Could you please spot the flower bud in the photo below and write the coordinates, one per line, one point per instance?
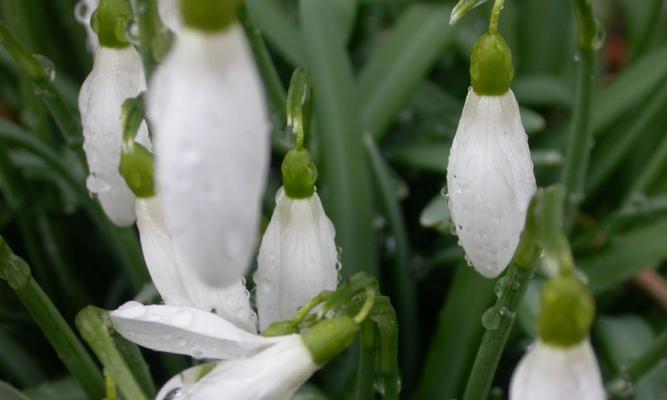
(491, 70)
(136, 166)
(299, 174)
(566, 312)
(330, 337)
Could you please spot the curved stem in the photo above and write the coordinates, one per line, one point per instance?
(312, 303)
(368, 305)
(495, 15)
(580, 136)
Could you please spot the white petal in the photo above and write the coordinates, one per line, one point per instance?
(170, 13)
(185, 330)
(117, 74)
(83, 11)
(274, 374)
(556, 373)
(177, 283)
(181, 383)
(297, 259)
(490, 180)
(212, 143)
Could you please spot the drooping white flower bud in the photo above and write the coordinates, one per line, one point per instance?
(117, 75)
(297, 258)
(176, 282)
(551, 372)
(170, 14)
(212, 150)
(274, 374)
(490, 180)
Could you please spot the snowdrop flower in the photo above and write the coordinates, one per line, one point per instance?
(83, 11)
(561, 364)
(117, 75)
(297, 258)
(174, 279)
(490, 178)
(276, 373)
(207, 106)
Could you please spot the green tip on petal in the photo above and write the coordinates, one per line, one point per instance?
(281, 328)
(299, 174)
(110, 21)
(566, 312)
(209, 15)
(330, 337)
(491, 70)
(136, 166)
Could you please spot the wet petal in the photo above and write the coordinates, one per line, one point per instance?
(186, 330)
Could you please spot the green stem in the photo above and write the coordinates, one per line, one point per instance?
(366, 365)
(499, 319)
(581, 133)
(368, 305)
(145, 12)
(495, 15)
(312, 303)
(70, 350)
(94, 324)
(648, 359)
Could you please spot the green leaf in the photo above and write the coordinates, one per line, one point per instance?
(622, 340)
(347, 185)
(65, 389)
(401, 62)
(7, 392)
(624, 256)
(542, 90)
(280, 31)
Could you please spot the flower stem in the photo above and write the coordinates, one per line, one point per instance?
(312, 303)
(648, 359)
(146, 17)
(366, 365)
(368, 305)
(17, 273)
(580, 136)
(499, 319)
(94, 324)
(495, 15)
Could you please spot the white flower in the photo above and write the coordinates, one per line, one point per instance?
(549, 372)
(490, 180)
(83, 11)
(274, 374)
(117, 75)
(297, 258)
(170, 14)
(212, 147)
(175, 281)
(186, 330)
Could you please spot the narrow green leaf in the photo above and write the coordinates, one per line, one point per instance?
(456, 337)
(396, 68)
(7, 392)
(542, 90)
(16, 272)
(280, 31)
(624, 256)
(347, 189)
(65, 389)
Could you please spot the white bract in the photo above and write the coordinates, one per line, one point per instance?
(170, 14)
(274, 374)
(490, 180)
(117, 75)
(212, 150)
(297, 258)
(174, 279)
(549, 372)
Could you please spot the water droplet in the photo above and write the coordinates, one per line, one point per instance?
(182, 318)
(443, 192)
(577, 57)
(48, 66)
(174, 394)
(96, 184)
(379, 222)
(181, 342)
(490, 319)
(621, 388)
(500, 287)
(600, 35)
(197, 353)
(132, 31)
(467, 259)
(82, 12)
(390, 244)
(506, 313)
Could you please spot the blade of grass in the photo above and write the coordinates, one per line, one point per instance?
(396, 68)
(580, 136)
(656, 168)
(94, 324)
(366, 368)
(70, 350)
(456, 337)
(346, 179)
(282, 33)
(404, 283)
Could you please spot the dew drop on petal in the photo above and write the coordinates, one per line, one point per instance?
(174, 394)
(81, 12)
